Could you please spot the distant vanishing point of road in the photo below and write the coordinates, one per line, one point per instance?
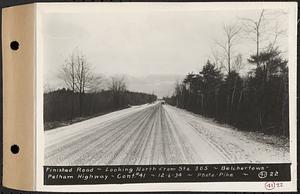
(154, 134)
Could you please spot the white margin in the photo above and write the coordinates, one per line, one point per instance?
(199, 186)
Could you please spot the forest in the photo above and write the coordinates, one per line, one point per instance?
(255, 100)
(62, 106)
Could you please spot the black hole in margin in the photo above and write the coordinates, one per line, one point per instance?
(14, 149)
(14, 45)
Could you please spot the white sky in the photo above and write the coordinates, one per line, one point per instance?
(164, 42)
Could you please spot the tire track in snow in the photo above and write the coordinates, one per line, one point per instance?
(112, 145)
(67, 151)
(139, 135)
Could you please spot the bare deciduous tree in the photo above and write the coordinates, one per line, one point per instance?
(253, 28)
(231, 34)
(78, 77)
(67, 73)
(263, 28)
(117, 86)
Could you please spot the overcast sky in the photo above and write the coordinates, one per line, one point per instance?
(160, 45)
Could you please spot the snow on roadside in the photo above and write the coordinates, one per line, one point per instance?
(88, 124)
(203, 150)
(239, 146)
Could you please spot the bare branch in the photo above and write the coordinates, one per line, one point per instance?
(262, 30)
(231, 33)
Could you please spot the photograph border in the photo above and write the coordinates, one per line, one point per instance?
(290, 186)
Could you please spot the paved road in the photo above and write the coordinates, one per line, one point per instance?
(153, 134)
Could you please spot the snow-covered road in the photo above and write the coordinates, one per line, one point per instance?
(155, 134)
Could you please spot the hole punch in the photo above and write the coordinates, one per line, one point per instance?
(14, 45)
(14, 149)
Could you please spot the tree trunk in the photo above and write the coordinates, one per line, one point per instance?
(81, 103)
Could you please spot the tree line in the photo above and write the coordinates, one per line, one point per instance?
(255, 101)
(59, 104)
(84, 95)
